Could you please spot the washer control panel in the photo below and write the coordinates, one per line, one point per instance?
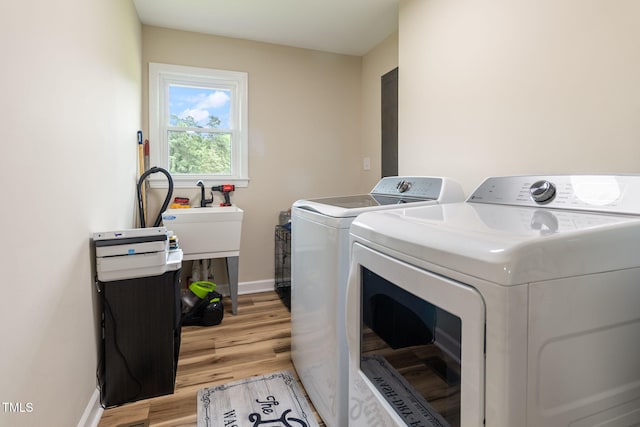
(599, 193)
(421, 187)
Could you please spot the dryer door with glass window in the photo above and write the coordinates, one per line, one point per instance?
(416, 345)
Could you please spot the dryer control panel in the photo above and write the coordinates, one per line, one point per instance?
(618, 194)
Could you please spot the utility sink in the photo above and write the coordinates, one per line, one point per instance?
(209, 232)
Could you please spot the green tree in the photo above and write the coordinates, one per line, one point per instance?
(196, 151)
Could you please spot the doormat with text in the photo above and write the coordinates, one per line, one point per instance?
(268, 400)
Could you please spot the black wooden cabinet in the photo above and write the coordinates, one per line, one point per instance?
(141, 337)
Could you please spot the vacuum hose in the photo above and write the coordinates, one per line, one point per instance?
(167, 199)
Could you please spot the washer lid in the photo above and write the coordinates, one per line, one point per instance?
(388, 193)
(352, 206)
(508, 245)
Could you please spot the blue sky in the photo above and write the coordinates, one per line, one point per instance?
(200, 103)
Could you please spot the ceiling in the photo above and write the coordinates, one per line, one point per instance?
(351, 27)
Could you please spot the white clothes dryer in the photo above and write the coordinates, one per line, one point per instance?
(518, 307)
(320, 264)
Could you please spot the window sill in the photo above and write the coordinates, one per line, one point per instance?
(190, 182)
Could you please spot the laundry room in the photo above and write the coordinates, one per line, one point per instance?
(484, 89)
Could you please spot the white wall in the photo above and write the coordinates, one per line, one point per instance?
(70, 109)
(501, 87)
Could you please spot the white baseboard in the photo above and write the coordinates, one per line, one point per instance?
(256, 286)
(248, 287)
(93, 411)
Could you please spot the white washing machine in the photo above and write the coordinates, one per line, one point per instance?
(320, 264)
(519, 307)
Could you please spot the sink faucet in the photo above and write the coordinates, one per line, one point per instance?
(203, 202)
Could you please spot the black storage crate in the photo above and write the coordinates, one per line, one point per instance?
(283, 264)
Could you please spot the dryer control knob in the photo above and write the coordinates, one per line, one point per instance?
(542, 191)
(403, 186)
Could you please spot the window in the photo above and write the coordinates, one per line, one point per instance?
(198, 125)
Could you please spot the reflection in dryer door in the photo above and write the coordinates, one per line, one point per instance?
(410, 351)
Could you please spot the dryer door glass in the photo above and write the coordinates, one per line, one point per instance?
(410, 351)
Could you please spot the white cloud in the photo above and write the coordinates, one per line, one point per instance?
(198, 114)
(215, 100)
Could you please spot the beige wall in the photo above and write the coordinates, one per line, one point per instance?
(304, 128)
(501, 87)
(70, 109)
(379, 61)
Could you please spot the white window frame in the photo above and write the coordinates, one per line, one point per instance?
(160, 77)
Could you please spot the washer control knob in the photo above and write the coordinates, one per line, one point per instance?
(542, 191)
(403, 186)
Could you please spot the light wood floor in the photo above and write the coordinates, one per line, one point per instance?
(256, 341)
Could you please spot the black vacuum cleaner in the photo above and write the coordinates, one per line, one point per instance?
(202, 305)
